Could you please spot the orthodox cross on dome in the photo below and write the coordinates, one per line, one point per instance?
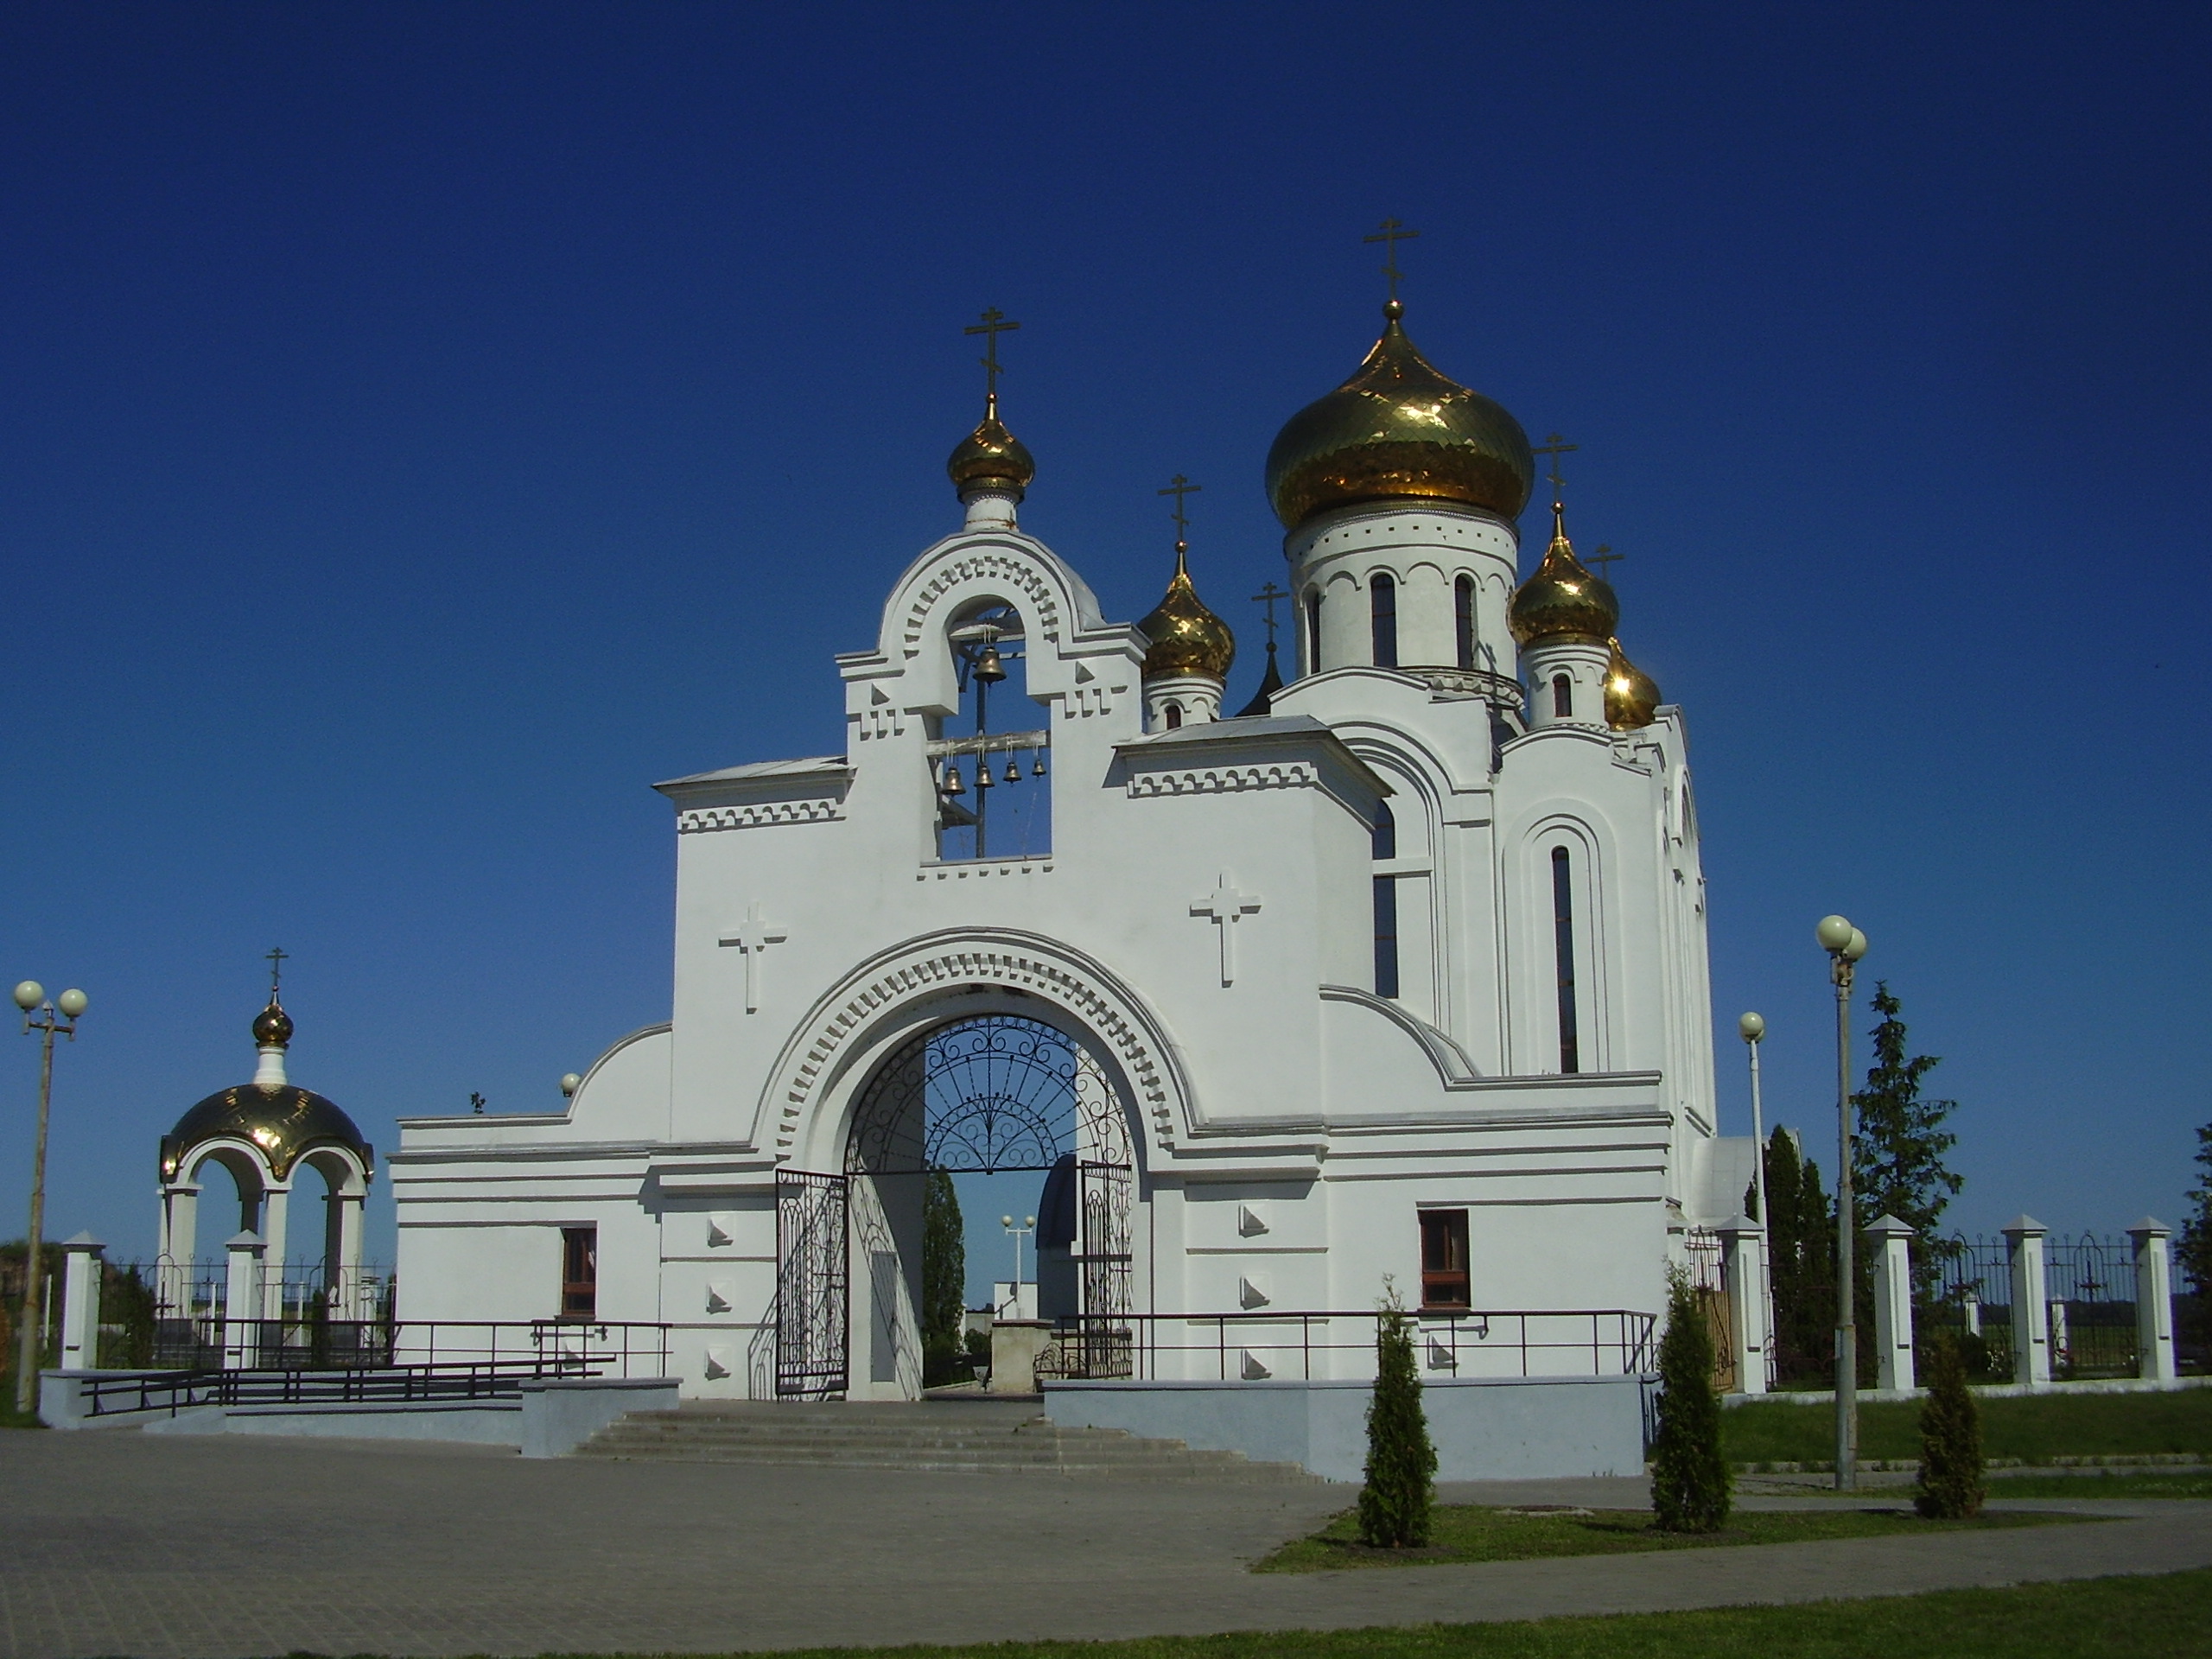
(1225, 906)
(275, 960)
(754, 936)
(1391, 233)
(1554, 446)
(1267, 596)
(994, 324)
(1604, 556)
(1181, 488)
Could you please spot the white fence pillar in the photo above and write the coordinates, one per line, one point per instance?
(81, 1303)
(1893, 1358)
(2030, 1314)
(242, 1303)
(2154, 1301)
(1743, 1268)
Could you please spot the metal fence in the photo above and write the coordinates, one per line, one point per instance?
(1258, 1346)
(2089, 1286)
(192, 1290)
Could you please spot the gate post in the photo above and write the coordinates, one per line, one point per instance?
(1893, 1358)
(1743, 1267)
(242, 1303)
(2154, 1301)
(80, 1304)
(2031, 1315)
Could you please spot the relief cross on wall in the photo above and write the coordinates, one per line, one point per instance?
(1225, 906)
(754, 936)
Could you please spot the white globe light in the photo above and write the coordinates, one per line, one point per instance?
(1857, 948)
(1751, 1027)
(1005, 1221)
(72, 1002)
(1834, 933)
(1029, 1221)
(570, 1082)
(29, 994)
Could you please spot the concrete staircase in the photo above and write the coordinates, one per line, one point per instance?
(972, 1434)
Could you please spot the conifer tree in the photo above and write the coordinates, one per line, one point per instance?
(1400, 1475)
(2193, 1249)
(1690, 1480)
(1800, 1245)
(1950, 1439)
(945, 1279)
(1897, 1158)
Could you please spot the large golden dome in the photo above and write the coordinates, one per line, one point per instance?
(285, 1121)
(1399, 430)
(1562, 600)
(991, 458)
(1185, 637)
(1631, 695)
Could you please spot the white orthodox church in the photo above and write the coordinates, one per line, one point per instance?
(1393, 983)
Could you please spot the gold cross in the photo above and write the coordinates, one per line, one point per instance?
(1554, 447)
(1267, 596)
(993, 325)
(1391, 234)
(1605, 555)
(276, 961)
(1181, 488)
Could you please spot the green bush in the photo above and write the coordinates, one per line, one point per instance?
(1689, 1478)
(1950, 1439)
(1401, 1474)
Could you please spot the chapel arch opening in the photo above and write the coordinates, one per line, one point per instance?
(987, 759)
(971, 1095)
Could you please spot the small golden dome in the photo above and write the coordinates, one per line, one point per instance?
(1399, 429)
(1185, 637)
(1562, 600)
(272, 1026)
(1631, 695)
(991, 458)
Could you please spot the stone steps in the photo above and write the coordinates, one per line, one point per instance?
(995, 1438)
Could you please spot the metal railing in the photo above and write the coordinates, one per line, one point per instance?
(425, 1360)
(1262, 1344)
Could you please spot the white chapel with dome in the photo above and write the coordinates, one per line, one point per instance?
(1393, 983)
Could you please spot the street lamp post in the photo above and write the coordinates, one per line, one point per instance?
(1028, 1226)
(1753, 1027)
(1844, 944)
(28, 996)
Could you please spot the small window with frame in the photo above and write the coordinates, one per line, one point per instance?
(579, 1273)
(1444, 1276)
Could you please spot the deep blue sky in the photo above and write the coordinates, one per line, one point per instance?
(422, 426)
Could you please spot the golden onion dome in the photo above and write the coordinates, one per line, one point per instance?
(1631, 695)
(1185, 637)
(272, 1026)
(1562, 600)
(1399, 430)
(991, 458)
(285, 1121)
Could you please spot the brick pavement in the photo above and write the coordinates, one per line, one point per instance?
(177, 1547)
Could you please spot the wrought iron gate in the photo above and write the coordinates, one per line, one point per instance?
(813, 1264)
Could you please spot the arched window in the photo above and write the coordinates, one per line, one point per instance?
(1312, 630)
(1386, 904)
(1463, 616)
(1570, 1048)
(1174, 716)
(1382, 618)
(1562, 697)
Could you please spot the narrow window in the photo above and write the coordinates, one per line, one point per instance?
(1444, 1280)
(1174, 716)
(1386, 905)
(1463, 608)
(1382, 615)
(579, 1273)
(1313, 630)
(1562, 697)
(1570, 1052)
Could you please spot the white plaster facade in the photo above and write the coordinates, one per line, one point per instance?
(1203, 927)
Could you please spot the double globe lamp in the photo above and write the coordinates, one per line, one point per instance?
(70, 1003)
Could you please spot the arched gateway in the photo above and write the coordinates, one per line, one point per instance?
(980, 1093)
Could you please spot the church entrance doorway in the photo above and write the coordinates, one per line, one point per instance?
(991, 1094)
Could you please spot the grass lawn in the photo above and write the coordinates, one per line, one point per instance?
(1465, 1533)
(2085, 1620)
(2036, 1427)
(2196, 1484)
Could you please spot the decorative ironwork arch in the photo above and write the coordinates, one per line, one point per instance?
(996, 1092)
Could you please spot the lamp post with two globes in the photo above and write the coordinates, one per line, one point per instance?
(1845, 945)
(1751, 1027)
(1028, 1226)
(28, 996)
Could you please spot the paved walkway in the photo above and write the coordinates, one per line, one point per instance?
(227, 1546)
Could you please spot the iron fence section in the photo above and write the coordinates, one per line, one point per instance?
(2088, 1286)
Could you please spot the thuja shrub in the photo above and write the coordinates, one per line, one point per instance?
(1950, 1439)
(1400, 1475)
(1689, 1478)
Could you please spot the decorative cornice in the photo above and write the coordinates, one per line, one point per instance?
(1225, 780)
(995, 959)
(752, 815)
(992, 565)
